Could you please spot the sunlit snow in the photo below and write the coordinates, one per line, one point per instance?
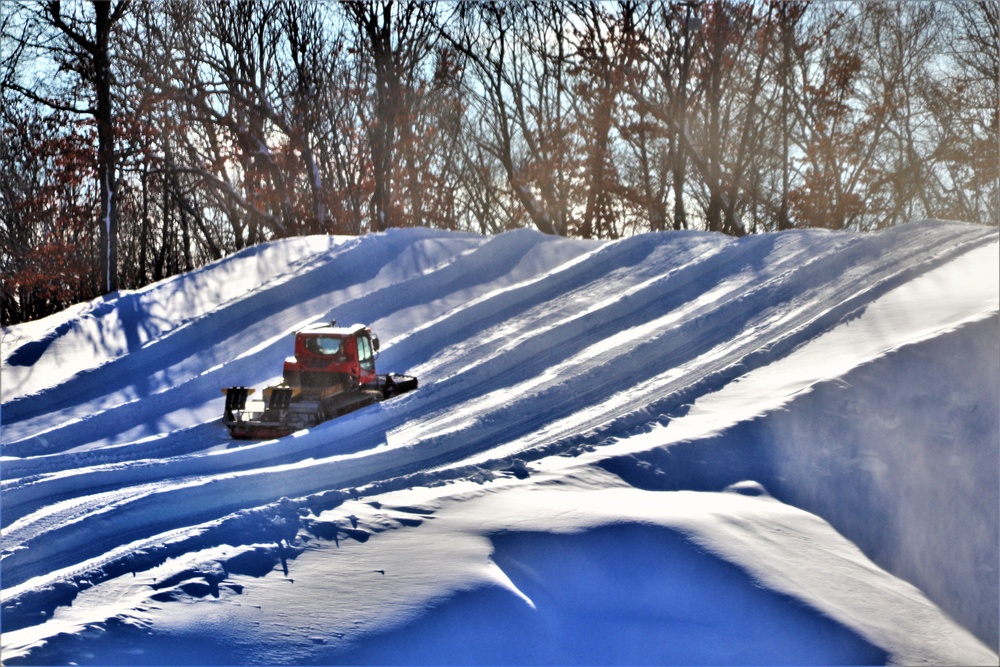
(675, 448)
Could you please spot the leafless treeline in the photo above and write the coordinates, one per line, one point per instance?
(142, 138)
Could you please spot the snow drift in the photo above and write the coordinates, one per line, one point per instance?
(674, 448)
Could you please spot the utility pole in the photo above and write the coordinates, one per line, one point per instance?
(786, 58)
(692, 23)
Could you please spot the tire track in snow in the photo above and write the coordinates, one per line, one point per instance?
(20, 498)
(539, 297)
(43, 354)
(162, 507)
(518, 382)
(274, 308)
(300, 479)
(507, 252)
(115, 380)
(11, 567)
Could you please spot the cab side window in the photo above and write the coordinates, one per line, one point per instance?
(366, 357)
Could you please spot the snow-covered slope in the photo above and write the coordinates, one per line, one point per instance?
(673, 448)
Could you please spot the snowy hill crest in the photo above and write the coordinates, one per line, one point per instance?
(581, 404)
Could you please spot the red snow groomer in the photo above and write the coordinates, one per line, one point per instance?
(331, 374)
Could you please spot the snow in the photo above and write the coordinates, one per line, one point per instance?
(675, 448)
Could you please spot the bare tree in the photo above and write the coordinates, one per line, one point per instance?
(396, 39)
(967, 115)
(85, 51)
(299, 116)
(517, 52)
(606, 49)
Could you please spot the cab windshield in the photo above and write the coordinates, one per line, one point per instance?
(323, 345)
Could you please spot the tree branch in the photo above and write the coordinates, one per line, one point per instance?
(52, 104)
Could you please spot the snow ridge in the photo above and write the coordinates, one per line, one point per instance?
(114, 461)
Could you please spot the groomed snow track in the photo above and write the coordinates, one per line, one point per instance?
(114, 458)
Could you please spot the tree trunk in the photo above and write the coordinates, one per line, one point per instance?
(97, 50)
(105, 148)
